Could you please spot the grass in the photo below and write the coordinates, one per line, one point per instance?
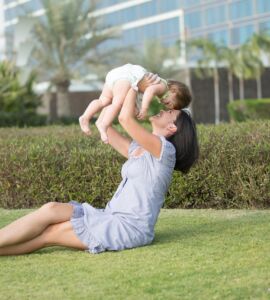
(197, 254)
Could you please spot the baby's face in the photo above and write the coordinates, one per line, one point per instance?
(169, 101)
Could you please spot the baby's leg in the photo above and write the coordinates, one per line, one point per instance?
(94, 107)
(101, 115)
(120, 91)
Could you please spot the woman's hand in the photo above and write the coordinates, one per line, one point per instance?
(148, 79)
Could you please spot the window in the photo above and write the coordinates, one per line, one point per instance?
(168, 27)
(215, 15)
(111, 19)
(147, 9)
(219, 37)
(8, 16)
(30, 7)
(164, 6)
(106, 3)
(241, 34)
(263, 6)
(127, 37)
(264, 26)
(33, 5)
(150, 31)
(130, 14)
(168, 42)
(241, 9)
(188, 3)
(193, 20)
(132, 36)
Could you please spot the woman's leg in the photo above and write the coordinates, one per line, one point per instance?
(33, 224)
(60, 234)
(120, 91)
(94, 107)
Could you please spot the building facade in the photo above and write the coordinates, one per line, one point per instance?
(2, 32)
(230, 22)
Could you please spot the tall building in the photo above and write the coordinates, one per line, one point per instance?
(2, 32)
(230, 22)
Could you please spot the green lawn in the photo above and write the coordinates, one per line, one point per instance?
(197, 254)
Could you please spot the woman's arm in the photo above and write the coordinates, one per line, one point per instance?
(118, 141)
(147, 140)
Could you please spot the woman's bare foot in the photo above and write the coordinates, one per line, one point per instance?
(102, 130)
(84, 124)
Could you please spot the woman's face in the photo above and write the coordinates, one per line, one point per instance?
(164, 118)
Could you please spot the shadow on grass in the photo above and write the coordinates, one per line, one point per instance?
(55, 249)
(214, 228)
(170, 233)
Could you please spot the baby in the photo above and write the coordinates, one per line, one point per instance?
(173, 94)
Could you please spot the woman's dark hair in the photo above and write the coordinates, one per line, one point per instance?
(185, 142)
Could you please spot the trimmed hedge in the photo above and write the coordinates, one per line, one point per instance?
(56, 163)
(22, 119)
(249, 109)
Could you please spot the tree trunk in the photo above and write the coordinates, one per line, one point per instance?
(63, 105)
(230, 83)
(241, 88)
(217, 96)
(259, 87)
(188, 83)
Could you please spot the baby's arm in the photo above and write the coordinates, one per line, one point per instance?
(153, 90)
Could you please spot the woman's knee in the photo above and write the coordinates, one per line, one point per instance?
(49, 206)
(53, 211)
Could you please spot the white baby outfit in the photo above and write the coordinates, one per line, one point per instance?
(129, 72)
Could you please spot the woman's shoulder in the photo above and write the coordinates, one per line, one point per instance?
(167, 149)
(167, 154)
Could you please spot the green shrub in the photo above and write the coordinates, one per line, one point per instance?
(56, 163)
(23, 119)
(18, 102)
(249, 109)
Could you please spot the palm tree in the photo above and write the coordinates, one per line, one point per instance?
(259, 45)
(66, 42)
(248, 66)
(230, 60)
(155, 57)
(210, 57)
(263, 42)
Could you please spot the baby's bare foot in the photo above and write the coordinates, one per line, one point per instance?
(84, 124)
(102, 130)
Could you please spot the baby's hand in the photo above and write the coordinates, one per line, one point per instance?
(142, 114)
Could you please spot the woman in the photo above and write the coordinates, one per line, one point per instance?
(129, 218)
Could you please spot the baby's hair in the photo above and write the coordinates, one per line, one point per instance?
(183, 94)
